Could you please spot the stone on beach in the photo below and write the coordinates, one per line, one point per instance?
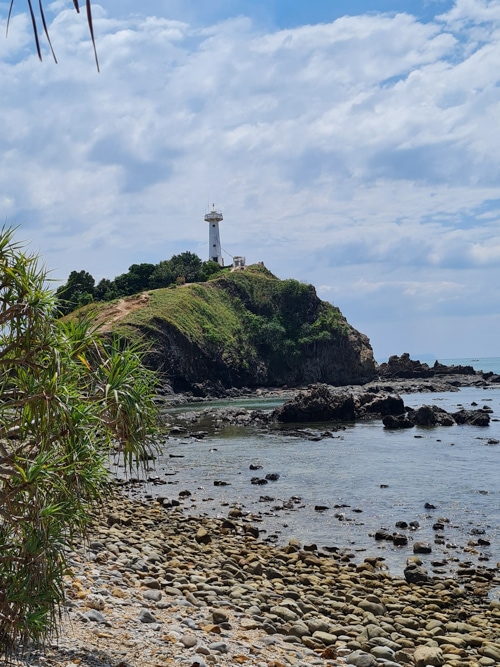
(235, 600)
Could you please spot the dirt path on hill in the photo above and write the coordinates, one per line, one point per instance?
(115, 312)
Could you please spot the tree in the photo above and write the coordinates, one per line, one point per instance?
(163, 275)
(135, 280)
(105, 290)
(78, 291)
(68, 398)
(208, 269)
(186, 265)
(36, 31)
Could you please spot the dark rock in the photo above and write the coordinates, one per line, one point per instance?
(219, 616)
(146, 616)
(422, 548)
(407, 368)
(399, 540)
(397, 422)
(472, 417)
(273, 476)
(203, 536)
(416, 574)
(252, 531)
(317, 404)
(404, 367)
(383, 405)
(383, 534)
(432, 415)
(258, 480)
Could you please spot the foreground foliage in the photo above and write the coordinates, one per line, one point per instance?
(66, 398)
(37, 32)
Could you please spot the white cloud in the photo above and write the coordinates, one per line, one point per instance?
(347, 154)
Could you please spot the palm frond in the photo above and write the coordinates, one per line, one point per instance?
(36, 34)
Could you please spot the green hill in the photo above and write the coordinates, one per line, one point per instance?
(242, 328)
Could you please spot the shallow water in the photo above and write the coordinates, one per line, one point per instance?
(375, 477)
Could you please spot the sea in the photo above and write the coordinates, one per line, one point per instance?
(363, 476)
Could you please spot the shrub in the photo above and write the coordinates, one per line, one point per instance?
(66, 398)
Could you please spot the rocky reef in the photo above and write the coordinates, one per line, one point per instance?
(322, 403)
(403, 367)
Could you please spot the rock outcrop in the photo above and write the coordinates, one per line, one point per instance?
(322, 403)
(432, 415)
(404, 367)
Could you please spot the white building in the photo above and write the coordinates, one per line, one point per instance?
(215, 252)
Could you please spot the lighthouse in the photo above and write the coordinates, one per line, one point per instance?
(215, 253)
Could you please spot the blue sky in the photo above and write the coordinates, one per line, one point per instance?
(358, 150)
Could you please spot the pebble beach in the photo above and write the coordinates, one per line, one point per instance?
(155, 587)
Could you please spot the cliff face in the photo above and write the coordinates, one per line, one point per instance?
(248, 328)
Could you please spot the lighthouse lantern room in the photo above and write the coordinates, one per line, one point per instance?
(215, 252)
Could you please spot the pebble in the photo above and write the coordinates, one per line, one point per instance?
(172, 589)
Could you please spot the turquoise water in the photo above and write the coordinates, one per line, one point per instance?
(478, 363)
(375, 477)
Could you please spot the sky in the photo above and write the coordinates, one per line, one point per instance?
(351, 145)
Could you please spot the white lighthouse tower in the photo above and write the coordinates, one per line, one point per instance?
(215, 253)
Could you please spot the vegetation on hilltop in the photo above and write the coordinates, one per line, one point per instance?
(80, 288)
(67, 397)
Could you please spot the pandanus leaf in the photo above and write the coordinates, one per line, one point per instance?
(45, 27)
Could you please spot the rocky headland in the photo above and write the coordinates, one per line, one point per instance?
(240, 329)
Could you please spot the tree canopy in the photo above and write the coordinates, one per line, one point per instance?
(78, 291)
(69, 399)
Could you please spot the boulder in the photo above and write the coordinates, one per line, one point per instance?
(404, 367)
(387, 404)
(432, 415)
(416, 574)
(397, 422)
(422, 548)
(472, 417)
(318, 404)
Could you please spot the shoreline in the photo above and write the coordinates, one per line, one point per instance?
(279, 507)
(154, 587)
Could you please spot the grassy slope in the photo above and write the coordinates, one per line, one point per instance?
(234, 312)
(203, 314)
